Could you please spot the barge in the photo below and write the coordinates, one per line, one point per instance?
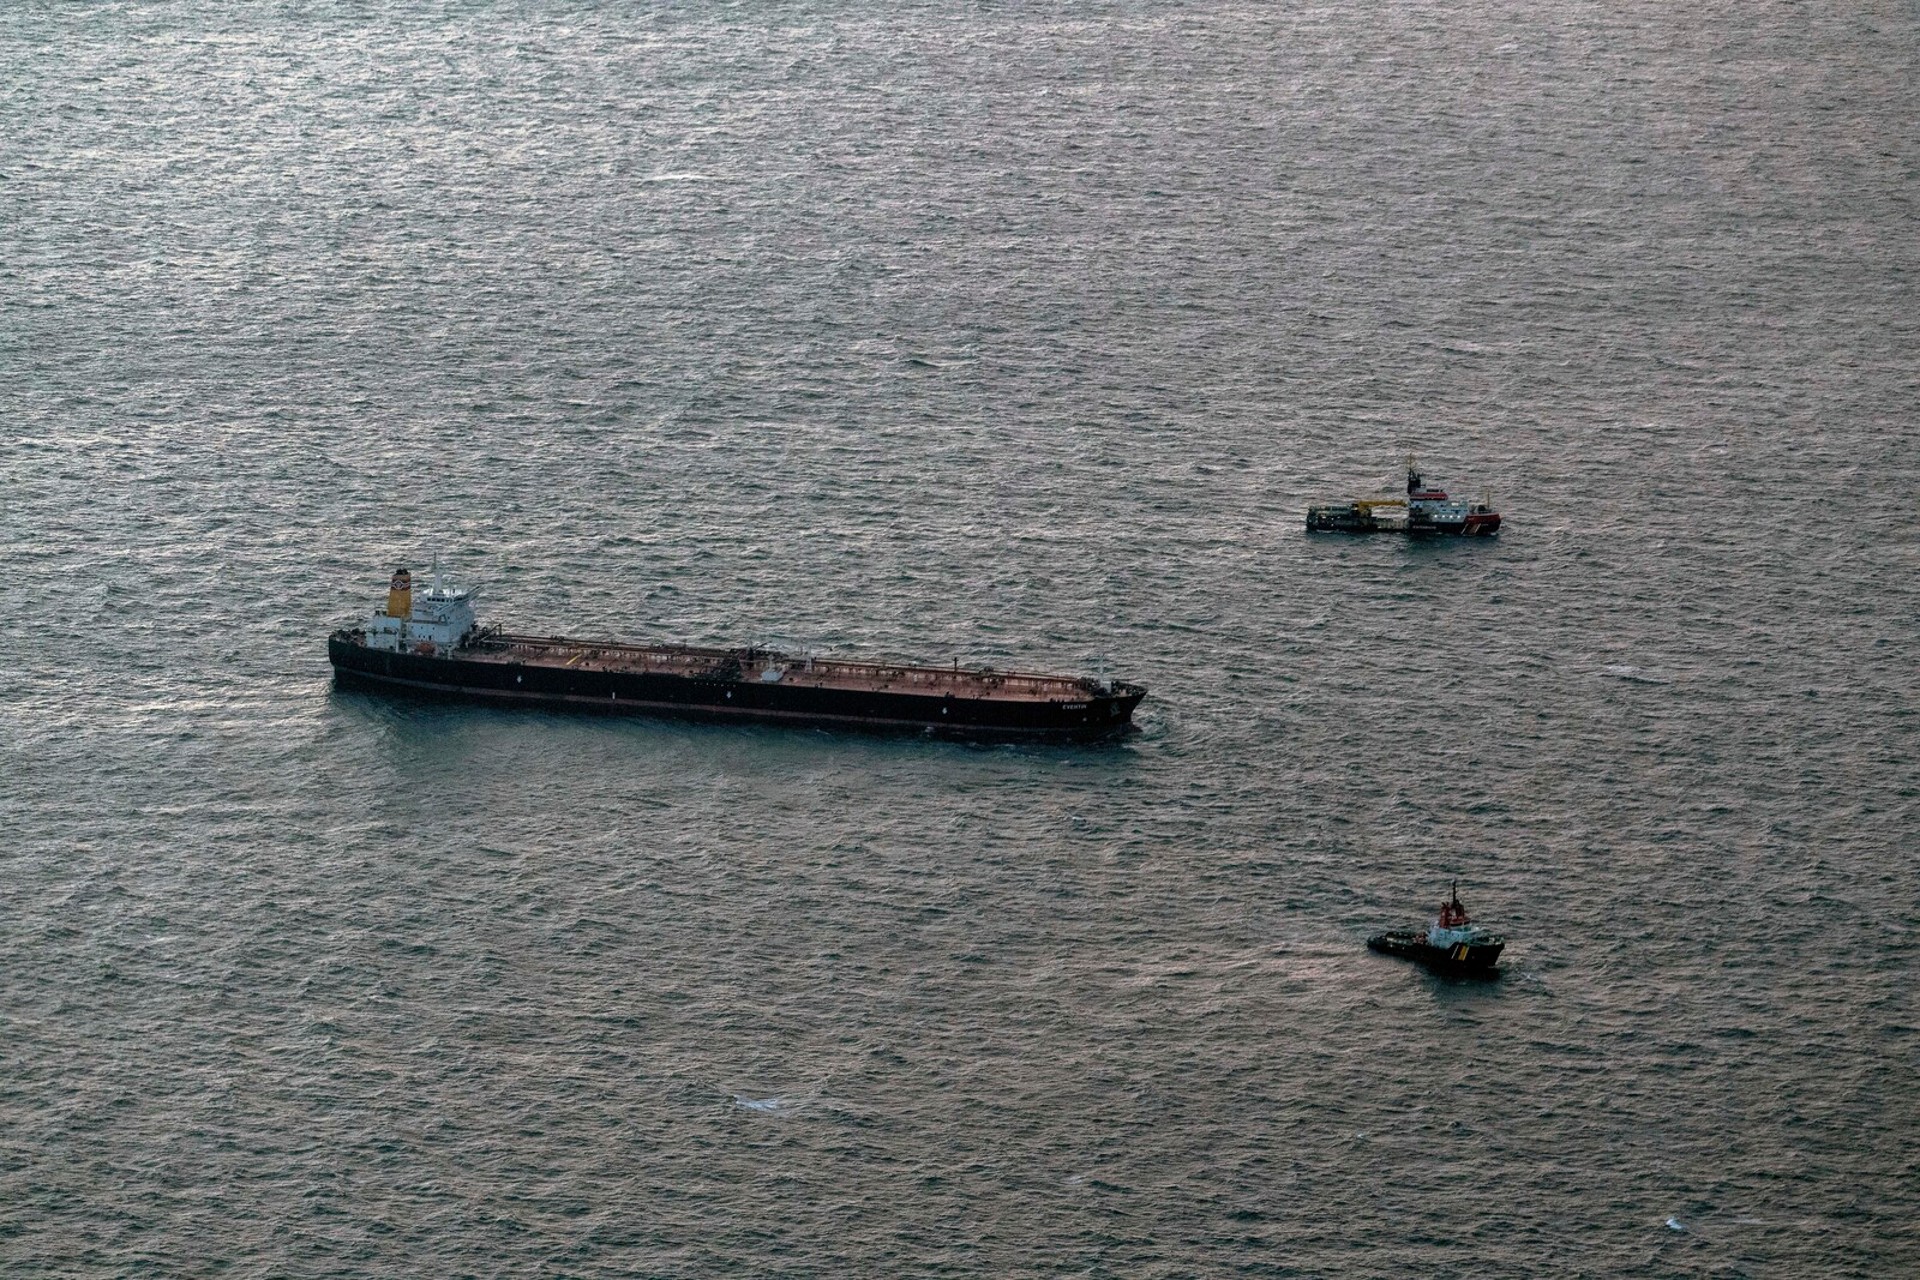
(1425, 510)
(430, 643)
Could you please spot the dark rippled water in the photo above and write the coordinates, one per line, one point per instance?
(1021, 334)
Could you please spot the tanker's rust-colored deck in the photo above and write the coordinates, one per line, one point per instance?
(751, 666)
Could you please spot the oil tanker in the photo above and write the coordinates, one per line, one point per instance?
(429, 643)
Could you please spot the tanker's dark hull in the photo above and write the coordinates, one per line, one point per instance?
(723, 699)
(1468, 959)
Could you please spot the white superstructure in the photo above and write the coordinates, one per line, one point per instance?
(1451, 927)
(432, 621)
(1428, 505)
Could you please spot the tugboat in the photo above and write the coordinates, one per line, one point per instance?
(1424, 511)
(431, 643)
(1451, 944)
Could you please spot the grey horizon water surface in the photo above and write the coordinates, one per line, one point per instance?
(1021, 334)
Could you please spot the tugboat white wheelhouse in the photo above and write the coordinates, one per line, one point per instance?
(430, 643)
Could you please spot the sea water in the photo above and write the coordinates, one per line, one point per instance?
(1012, 334)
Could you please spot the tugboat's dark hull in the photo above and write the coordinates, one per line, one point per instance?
(1469, 959)
(1091, 715)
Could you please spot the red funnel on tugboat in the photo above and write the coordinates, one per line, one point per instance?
(1451, 944)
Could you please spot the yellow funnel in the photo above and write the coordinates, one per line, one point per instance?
(400, 595)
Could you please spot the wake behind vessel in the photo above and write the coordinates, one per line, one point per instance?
(430, 642)
(1425, 510)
